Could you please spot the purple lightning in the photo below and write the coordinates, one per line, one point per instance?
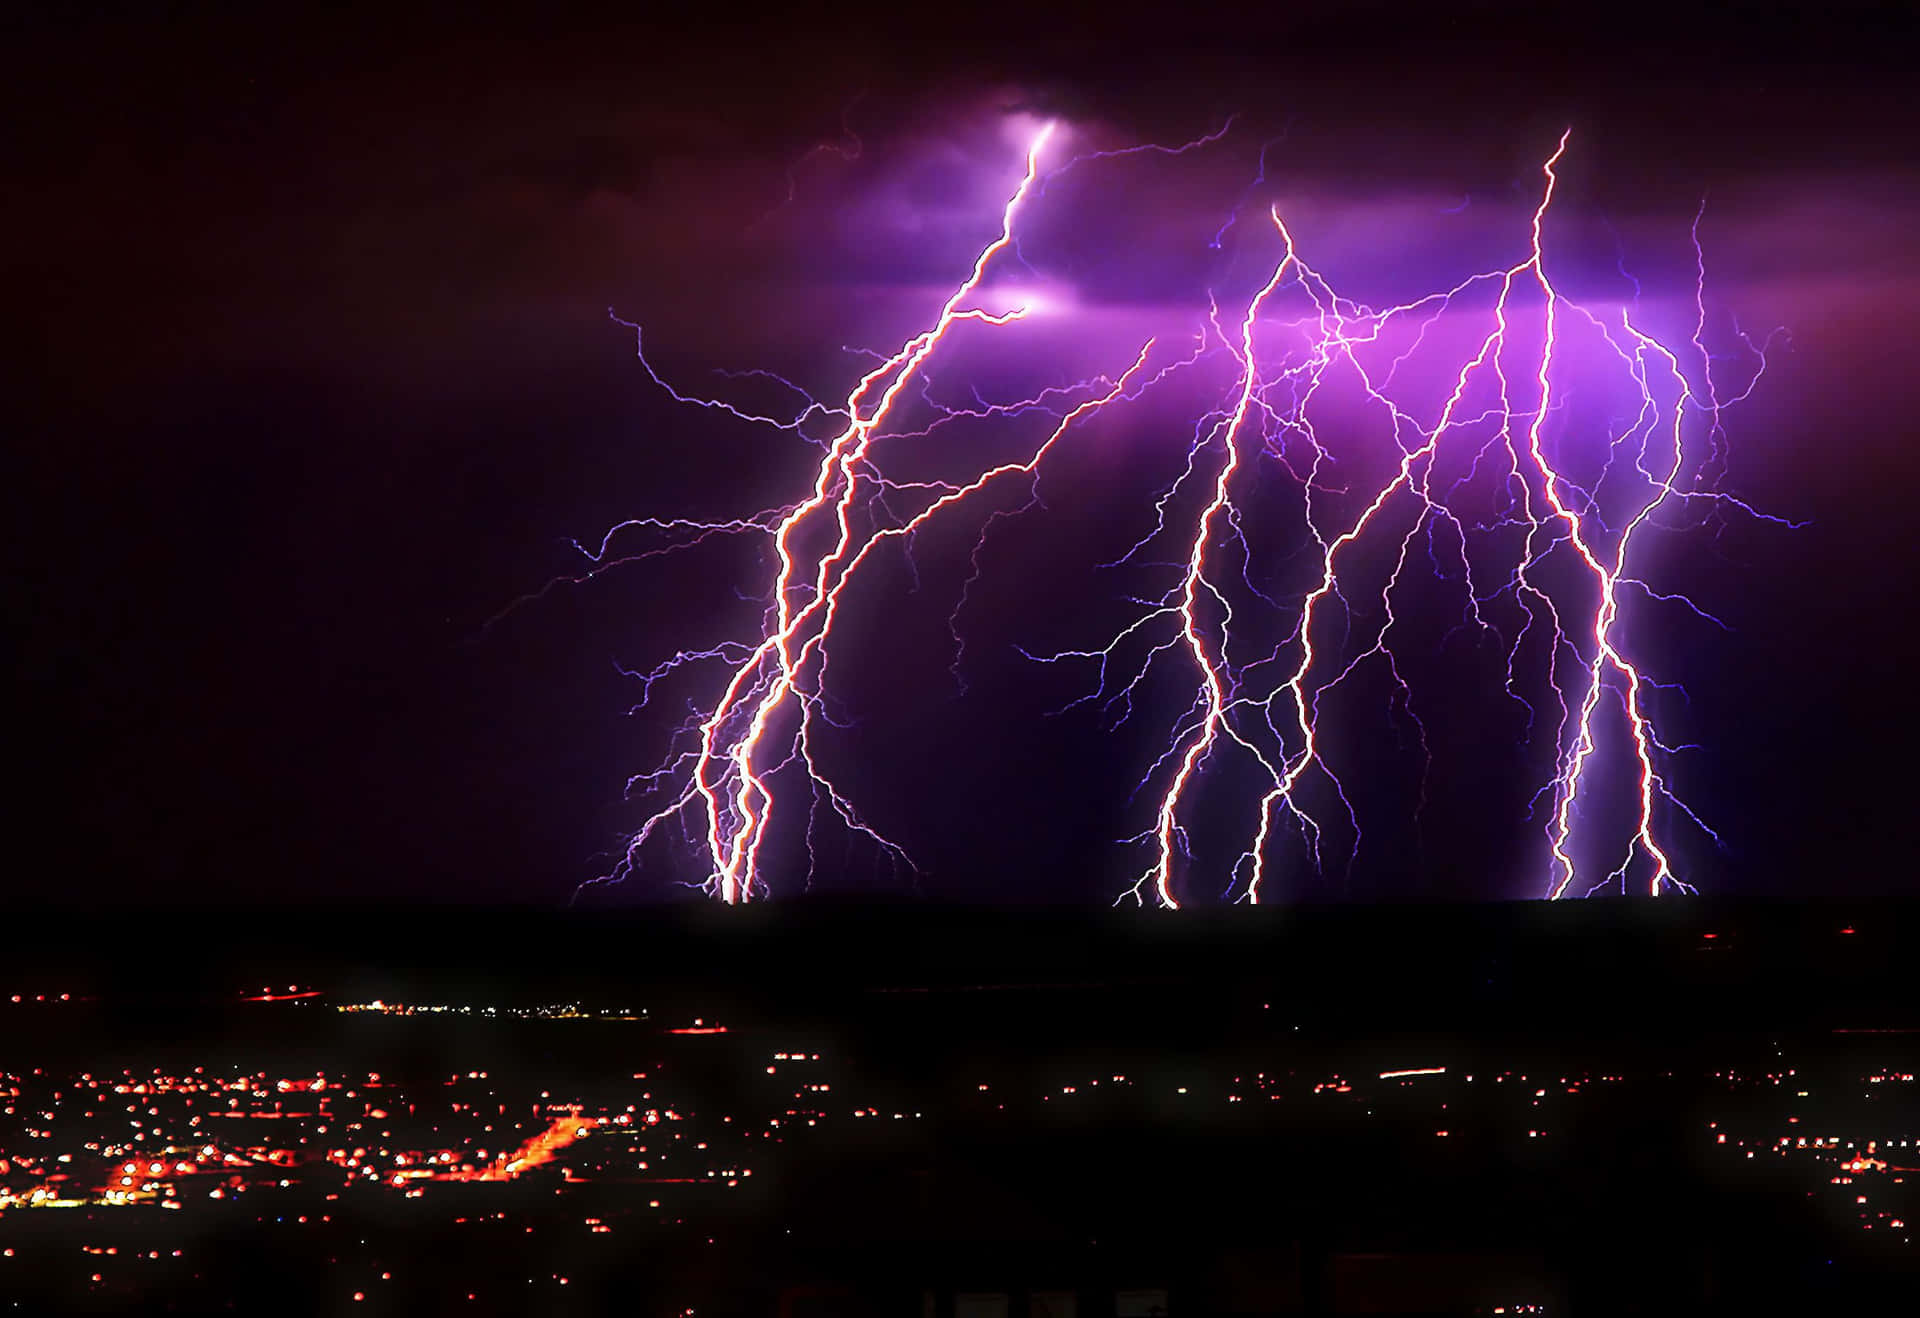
(1511, 349)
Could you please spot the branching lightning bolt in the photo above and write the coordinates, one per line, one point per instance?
(1571, 560)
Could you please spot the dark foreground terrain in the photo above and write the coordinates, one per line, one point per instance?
(1601, 1108)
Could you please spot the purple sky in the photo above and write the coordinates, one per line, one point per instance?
(320, 376)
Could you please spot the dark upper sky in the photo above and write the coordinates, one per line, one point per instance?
(314, 375)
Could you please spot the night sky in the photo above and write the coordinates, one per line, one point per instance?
(314, 376)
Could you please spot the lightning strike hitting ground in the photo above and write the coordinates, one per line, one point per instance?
(1539, 513)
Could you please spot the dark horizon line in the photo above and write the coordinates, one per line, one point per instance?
(890, 901)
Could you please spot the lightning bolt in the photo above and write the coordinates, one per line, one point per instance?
(1553, 568)
(1555, 516)
(741, 744)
